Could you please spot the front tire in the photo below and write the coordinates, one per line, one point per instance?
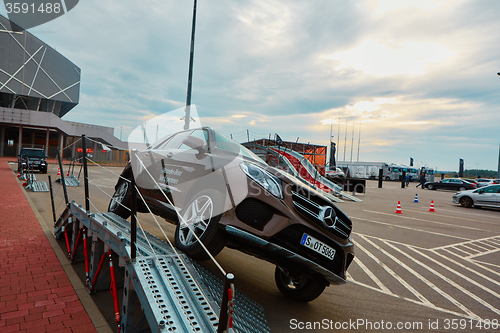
(120, 202)
(466, 202)
(197, 219)
(299, 287)
(430, 187)
(461, 189)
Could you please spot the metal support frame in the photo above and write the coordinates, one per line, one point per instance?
(175, 292)
(52, 200)
(85, 174)
(62, 178)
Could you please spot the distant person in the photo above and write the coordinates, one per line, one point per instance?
(422, 180)
(407, 180)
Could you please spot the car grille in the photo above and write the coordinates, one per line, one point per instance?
(313, 210)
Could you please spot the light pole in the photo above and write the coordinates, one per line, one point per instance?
(190, 73)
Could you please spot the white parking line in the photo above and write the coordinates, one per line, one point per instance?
(372, 276)
(482, 253)
(468, 268)
(435, 222)
(475, 215)
(432, 285)
(396, 276)
(465, 291)
(470, 248)
(409, 228)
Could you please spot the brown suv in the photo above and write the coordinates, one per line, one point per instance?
(219, 192)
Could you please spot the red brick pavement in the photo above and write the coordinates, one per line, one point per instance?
(35, 292)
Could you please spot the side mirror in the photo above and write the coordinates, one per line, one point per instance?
(195, 143)
(481, 192)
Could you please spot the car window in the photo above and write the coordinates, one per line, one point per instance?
(491, 189)
(446, 180)
(172, 142)
(202, 134)
(33, 153)
(225, 143)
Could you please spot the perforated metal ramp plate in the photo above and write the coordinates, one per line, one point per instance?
(39, 187)
(71, 181)
(249, 316)
(181, 294)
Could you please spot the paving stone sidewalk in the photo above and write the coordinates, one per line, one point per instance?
(35, 292)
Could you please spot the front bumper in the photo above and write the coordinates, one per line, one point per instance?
(287, 257)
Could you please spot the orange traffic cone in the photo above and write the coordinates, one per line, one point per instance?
(58, 171)
(398, 209)
(431, 209)
(67, 173)
(19, 174)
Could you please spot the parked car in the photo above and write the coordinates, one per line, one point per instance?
(219, 192)
(472, 181)
(32, 158)
(485, 182)
(488, 196)
(336, 174)
(450, 184)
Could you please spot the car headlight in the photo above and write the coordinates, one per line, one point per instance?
(269, 182)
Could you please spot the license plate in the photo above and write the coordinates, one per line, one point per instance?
(317, 246)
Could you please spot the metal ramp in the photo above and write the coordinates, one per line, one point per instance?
(69, 181)
(336, 194)
(27, 176)
(176, 293)
(38, 186)
(351, 197)
(31, 183)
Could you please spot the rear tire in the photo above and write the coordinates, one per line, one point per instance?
(430, 187)
(197, 220)
(461, 189)
(121, 200)
(466, 202)
(299, 287)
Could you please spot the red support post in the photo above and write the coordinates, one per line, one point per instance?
(67, 241)
(227, 305)
(113, 289)
(96, 276)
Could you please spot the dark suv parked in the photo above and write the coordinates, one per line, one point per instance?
(32, 158)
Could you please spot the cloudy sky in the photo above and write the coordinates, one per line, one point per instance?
(409, 78)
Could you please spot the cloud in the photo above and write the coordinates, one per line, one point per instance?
(411, 72)
(381, 59)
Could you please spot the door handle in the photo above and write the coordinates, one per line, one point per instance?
(170, 154)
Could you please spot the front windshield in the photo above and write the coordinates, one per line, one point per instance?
(225, 143)
(33, 153)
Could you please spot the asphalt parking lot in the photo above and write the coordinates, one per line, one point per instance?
(417, 271)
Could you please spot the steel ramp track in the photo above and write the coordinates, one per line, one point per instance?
(69, 181)
(343, 194)
(176, 293)
(26, 176)
(38, 187)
